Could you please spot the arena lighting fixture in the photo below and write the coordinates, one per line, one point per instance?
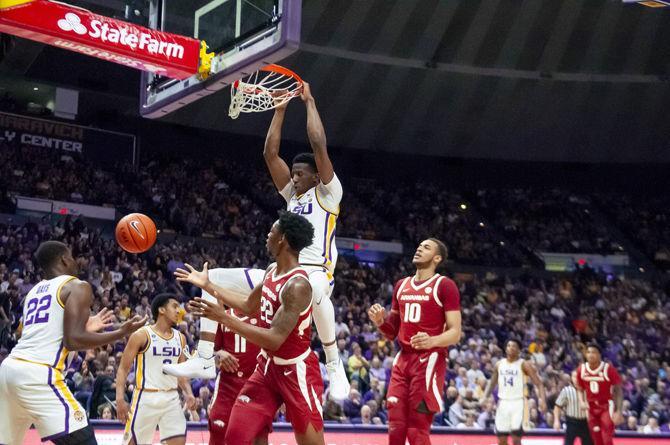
(481, 224)
(463, 206)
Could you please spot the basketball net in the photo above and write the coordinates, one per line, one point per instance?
(267, 88)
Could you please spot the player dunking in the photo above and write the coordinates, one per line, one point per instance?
(155, 399)
(512, 372)
(290, 374)
(312, 190)
(238, 359)
(55, 321)
(600, 381)
(426, 318)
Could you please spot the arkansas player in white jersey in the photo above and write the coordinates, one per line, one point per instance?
(311, 189)
(291, 374)
(426, 319)
(55, 321)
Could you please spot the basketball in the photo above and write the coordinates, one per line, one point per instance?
(136, 233)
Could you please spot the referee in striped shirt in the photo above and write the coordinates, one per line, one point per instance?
(575, 417)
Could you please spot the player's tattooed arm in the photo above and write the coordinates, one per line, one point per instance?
(531, 372)
(317, 137)
(279, 171)
(296, 298)
(492, 383)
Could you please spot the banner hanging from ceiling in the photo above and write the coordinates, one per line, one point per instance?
(94, 35)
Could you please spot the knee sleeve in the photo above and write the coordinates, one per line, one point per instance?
(84, 436)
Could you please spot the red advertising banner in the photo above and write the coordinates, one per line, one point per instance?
(79, 30)
(201, 437)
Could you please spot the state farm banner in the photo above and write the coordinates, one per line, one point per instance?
(79, 30)
(100, 146)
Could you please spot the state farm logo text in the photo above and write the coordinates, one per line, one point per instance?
(135, 39)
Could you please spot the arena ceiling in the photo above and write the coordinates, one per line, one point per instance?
(557, 80)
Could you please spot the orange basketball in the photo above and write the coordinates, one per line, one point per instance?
(136, 233)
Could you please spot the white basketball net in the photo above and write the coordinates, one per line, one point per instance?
(261, 91)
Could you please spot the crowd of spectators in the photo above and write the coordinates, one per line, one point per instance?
(646, 219)
(548, 220)
(228, 199)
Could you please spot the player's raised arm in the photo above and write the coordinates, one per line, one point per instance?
(281, 174)
(317, 137)
(296, 298)
(531, 372)
(136, 343)
(247, 304)
(78, 298)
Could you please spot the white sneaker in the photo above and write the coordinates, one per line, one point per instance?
(195, 367)
(339, 384)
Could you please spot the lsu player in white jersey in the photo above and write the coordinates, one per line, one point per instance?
(510, 375)
(56, 320)
(155, 401)
(311, 189)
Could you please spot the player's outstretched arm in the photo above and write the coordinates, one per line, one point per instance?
(492, 383)
(296, 298)
(317, 136)
(136, 343)
(247, 304)
(279, 171)
(531, 372)
(78, 297)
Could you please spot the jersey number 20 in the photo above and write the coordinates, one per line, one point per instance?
(412, 312)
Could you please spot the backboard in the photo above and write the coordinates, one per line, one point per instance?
(244, 35)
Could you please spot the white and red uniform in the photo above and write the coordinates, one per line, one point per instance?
(229, 384)
(417, 376)
(597, 384)
(291, 374)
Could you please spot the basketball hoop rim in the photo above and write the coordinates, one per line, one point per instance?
(281, 70)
